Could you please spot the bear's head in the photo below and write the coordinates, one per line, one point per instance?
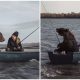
(62, 31)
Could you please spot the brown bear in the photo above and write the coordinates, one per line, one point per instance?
(1, 37)
(69, 43)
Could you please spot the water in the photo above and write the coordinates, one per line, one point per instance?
(19, 70)
(49, 41)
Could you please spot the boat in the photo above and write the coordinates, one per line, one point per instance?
(18, 56)
(70, 58)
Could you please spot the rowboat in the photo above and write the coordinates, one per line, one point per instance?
(18, 56)
(63, 58)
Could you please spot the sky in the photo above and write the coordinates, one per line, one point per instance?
(21, 16)
(60, 6)
(15, 12)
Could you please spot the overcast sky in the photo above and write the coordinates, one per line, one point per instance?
(60, 6)
(15, 12)
(21, 16)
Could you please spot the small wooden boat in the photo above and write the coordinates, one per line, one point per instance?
(18, 56)
(63, 58)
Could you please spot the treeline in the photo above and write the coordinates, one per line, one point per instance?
(61, 15)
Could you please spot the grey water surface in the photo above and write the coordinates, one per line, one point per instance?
(19, 70)
(49, 42)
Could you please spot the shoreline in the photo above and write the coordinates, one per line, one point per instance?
(61, 15)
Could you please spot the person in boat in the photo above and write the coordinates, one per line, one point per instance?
(14, 43)
(69, 43)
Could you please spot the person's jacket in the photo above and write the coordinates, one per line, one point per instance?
(13, 45)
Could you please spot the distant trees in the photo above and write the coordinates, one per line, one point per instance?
(61, 15)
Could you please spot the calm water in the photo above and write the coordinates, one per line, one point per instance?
(49, 41)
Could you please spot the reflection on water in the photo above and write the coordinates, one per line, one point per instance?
(49, 42)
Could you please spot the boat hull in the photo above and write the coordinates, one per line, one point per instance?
(64, 59)
(18, 56)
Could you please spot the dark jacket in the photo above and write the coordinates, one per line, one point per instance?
(13, 46)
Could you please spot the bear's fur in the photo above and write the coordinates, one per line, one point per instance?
(69, 43)
(1, 37)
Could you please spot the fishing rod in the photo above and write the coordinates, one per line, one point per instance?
(29, 34)
(57, 37)
(48, 12)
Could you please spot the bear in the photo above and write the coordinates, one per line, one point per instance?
(1, 37)
(69, 43)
